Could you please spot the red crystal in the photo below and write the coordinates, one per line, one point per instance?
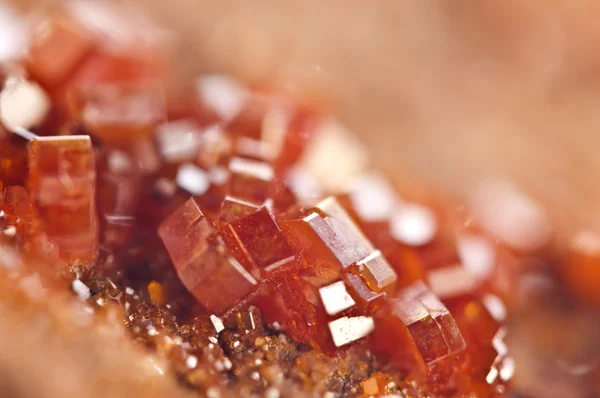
(119, 115)
(62, 180)
(418, 329)
(328, 240)
(58, 45)
(249, 180)
(119, 197)
(202, 261)
(368, 300)
(234, 209)
(257, 243)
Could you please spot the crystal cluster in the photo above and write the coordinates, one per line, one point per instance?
(231, 205)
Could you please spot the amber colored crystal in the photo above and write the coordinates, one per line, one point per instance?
(257, 243)
(118, 114)
(249, 121)
(123, 65)
(58, 44)
(371, 202)
(581, 267)
(217, 281)
(377, 273)
(185, 233)
(441, 252)
(13, 160)
(479, 328)
(118, 199)
(308, 236)
(62, 181)
(376, 385)
(156, 293)
(367, 299)
(329, 241)
(249, 319)
(249, 179)
(417, 330)
(303, 125)
(407, 264)
(215, 147)
(234, 209)
(18, 210)
(202, 261)
(307, 319)
(253, 149)
(350, 244)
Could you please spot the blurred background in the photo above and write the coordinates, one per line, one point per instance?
(443, 92)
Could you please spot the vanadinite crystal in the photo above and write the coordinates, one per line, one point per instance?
(231, 245)
(62, 181)
(203, 262)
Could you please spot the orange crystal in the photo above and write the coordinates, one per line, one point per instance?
(249, 179)
(119, 197)
(62, 181)
(119, 115)
(202, 261)
(328, 240)
(418, 330)
(57, 46)
(13, 160)
(257, 243)
(368, 300)
(233, 209)
(17, 207)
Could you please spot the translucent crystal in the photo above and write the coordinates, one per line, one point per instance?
(329, 241)
(58, 44)
(418, 330)
(119, 114)
(376, 271)
(120, 196)
(249, 179)
(179, 140)
(367, 299)
(234, 209)
(202, 261)
(257, 242)
(62, 182)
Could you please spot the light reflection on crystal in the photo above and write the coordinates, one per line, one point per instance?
(62, 182)
(495, 306)
(193, 179)
(413, 224)
(522, 223)
(451, 281)
(376, 271)
(335, 298)
(346, 330)
(179, 140)
(23, 104)
(334, 157)
(373, 198)
(222, 94)
(477, 255)
(81, 289)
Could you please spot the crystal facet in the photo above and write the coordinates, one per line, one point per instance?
(62, 180)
